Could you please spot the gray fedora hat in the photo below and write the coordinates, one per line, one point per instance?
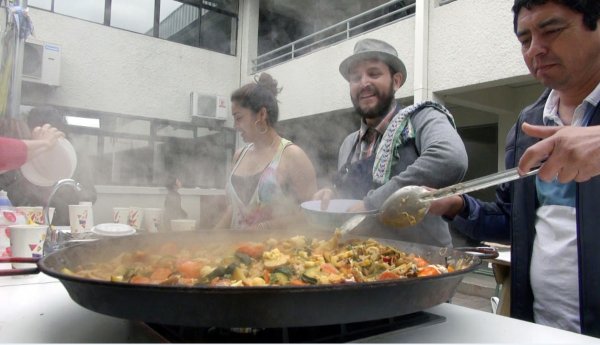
(370, 48)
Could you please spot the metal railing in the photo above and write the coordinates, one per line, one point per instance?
(381, 15)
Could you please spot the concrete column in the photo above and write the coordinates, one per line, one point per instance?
(421, 84)
(248, 38)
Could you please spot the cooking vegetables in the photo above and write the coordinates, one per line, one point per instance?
(296, 261)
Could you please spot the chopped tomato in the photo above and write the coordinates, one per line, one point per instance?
(190, 269)
(420, 262)
(428, 271)
(169, 248)
(254, 250)
(160, 274)
(139, 280)
(329, 268)
(387, 275)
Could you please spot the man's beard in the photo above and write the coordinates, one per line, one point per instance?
(383, 105)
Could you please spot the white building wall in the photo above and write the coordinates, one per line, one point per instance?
(471, 43)
(118, 71)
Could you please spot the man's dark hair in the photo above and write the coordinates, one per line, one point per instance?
(589, 8)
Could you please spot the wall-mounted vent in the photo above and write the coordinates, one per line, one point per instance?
(209, 106)
(41, 62)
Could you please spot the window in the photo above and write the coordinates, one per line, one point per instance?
(92, 10)
(133, 15)
(205, 24)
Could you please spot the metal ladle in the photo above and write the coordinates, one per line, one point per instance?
(409, 205)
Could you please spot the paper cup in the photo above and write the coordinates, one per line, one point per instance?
(183, 224)
(27, 241)
(153, 219)
(121, 215)
(136, 215)
(33, 214)
(8, 218)
(81, 218)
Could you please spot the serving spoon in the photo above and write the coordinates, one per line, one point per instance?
(409, 205)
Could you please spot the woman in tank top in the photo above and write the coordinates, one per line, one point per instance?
(270, 176)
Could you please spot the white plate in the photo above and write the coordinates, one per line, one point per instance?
(55, 164)
(113, 229)
(335, 214)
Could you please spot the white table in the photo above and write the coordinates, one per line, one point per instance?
(38, 309)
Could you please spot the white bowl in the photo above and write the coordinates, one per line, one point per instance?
(335, 214)
(113, 229)
(57, 163)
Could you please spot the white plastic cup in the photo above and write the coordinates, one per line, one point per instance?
(121, 215)
(27, 241)
(183, 224)
(33, 214)
(153, 218)
(136, 215)
(8, 218)
(81, 218)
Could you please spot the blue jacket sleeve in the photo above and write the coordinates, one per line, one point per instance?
(490, 221)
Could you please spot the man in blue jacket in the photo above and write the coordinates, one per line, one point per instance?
(552, 220)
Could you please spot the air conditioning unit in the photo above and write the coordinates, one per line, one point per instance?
(205, 106)
(41, 62)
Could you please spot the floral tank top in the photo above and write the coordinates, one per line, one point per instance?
(268, 201)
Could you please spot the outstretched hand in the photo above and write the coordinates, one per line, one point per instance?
(325, 196)
(570, 153)
(47, 134)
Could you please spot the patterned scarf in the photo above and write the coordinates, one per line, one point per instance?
(399, 132)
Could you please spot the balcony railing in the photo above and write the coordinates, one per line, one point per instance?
(384, 14)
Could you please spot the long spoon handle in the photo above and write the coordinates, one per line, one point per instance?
(477, 184)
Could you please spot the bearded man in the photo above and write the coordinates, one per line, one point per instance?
(395, 146)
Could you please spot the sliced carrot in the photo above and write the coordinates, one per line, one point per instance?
(160, 274)
(254, 250)
(297, 282)
(139, 280)
(420, 262)
(190, 269)
(450, 268)
(387, 275)
(428, 271)
(267, 276)
(329, 268)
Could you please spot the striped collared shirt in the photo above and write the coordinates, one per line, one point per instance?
(370, 136)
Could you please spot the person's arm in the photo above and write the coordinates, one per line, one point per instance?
(225, 221)
(15, 152)
(570, 153)
(442, 160)
(484, 221)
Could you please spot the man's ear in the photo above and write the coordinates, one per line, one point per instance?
(398, 78)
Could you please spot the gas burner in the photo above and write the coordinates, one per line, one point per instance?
(316, 334)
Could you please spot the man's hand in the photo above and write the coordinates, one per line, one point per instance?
(570, 153)
(325, 196)
(448, 207)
